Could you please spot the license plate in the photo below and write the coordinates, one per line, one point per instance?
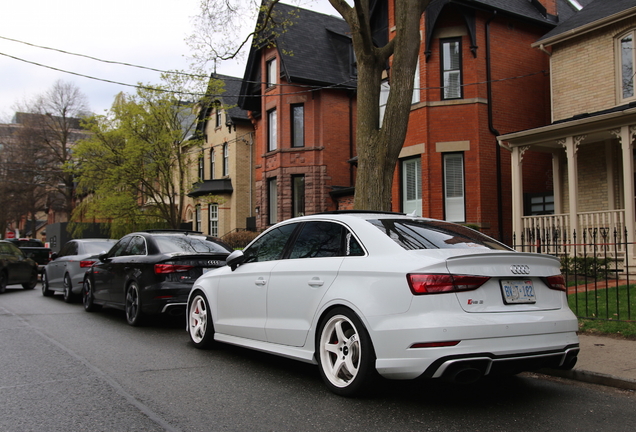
(517, 291)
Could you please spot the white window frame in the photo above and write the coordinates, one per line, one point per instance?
(272, 126)
(412, 186)
(226, 159)
(213, 220)
(197, 218)
(271, 72)
(454, 187)
(451, 76)
(623, 75)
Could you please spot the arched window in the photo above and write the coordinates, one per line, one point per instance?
(626, 61)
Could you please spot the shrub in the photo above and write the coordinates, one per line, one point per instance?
(598, 268)
(239, 239)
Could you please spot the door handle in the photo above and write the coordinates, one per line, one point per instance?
(316, 282)
(260, 282)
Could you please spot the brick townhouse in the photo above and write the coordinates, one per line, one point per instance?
(299, 88)
(478, 77)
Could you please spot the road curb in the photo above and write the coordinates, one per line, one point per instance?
(592, 378)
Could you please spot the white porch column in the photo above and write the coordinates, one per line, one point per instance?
(571, 147)
(627, 146)
(517, 190)
(557, 183)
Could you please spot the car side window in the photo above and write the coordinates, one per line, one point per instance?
(271, 245)
(137, 246)
(352, 247)
(319, 239)
(15, 251)
(120, 248)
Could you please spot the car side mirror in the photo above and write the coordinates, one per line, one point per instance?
(53, 256)
(103, 256)
(235, 259)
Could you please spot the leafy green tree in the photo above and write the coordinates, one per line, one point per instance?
(133, 171)
(378, 143)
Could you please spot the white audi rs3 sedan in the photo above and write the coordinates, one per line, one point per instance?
(361, 294)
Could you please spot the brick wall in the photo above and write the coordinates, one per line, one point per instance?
(584, 72)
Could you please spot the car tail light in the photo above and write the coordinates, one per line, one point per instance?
(172, 268)
(556, 282)
(443, 283)
(86, 263)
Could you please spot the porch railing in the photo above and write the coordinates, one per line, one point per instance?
(546, 232)
(595, 265)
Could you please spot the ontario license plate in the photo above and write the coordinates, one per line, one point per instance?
(517, 291)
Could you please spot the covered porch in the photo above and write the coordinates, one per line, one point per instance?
(592, 182)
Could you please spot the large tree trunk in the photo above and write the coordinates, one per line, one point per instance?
(378, 148)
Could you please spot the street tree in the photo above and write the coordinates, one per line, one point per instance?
(50, 127)
(378, 141)
(133, 170)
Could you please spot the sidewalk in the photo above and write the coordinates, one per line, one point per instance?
(603, 360)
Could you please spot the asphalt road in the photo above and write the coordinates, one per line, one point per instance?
(66, 370)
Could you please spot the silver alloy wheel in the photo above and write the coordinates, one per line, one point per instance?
(340, 351)
(46, 291)
(198, 319)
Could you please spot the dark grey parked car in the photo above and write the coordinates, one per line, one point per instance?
(16, 268)
(65, 272)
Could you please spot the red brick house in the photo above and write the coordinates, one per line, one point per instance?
(299, 88)
(478, 77)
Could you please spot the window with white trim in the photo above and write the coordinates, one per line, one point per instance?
(412, 186)
(213, 220)
(212, 164)
(454, 187)
(226, 159)
(626, 66)
(451, 64)
(271, 72)
(272, 136)
(197, 218)
(385, 88)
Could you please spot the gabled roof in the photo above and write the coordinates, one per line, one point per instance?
(314, 49)
(525, 9)
(230, 96)
(596, 14)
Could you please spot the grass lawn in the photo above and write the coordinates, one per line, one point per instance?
(608, 311)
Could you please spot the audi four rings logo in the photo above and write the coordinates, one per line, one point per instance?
(520, 269)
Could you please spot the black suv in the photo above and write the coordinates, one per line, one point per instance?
(151, 272)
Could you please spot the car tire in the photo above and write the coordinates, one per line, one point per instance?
(200, 325)
(88, 297)
(69, 297)
(46, 290)
(134, 316)
(345, 354)
(3, 281)
(33, 281)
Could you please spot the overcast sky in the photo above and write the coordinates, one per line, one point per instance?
(149, 33)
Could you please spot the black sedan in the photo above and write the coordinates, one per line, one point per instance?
(16, 268)
(151, 272)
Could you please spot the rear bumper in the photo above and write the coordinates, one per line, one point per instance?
(165, 297)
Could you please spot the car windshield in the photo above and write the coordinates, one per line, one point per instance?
(188, 244)
(427, 234)
(97, 247)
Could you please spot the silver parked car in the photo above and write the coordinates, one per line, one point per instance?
(65, 272)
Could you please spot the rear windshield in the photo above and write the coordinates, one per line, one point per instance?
(188, 244)
(426, 234)
(97, 247)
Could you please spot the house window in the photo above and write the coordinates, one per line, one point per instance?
(298, 125)
(197, 218)
(213, 216)
(412, 186)
(536, 204)
(454, 195)
(451, 63)
(271, 72)
(384, 97)
(272, 201)
(218, 121)
(416, 84)
(271, 130)
(298, 195)
(627, 61)
(226, 159)
(201, 171)
(212, 167)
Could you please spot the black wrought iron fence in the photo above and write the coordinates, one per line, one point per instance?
(595, 263)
